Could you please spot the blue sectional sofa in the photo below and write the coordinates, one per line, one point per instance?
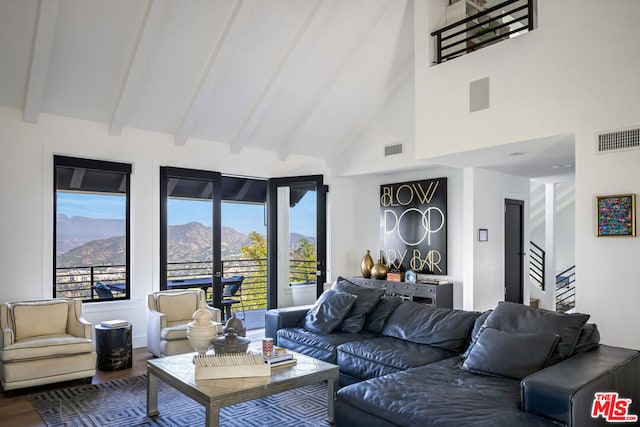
(413, 365)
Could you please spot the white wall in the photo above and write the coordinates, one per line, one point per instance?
(366, 233)
(577, 73)
(475, 200)
(607, 268)
(565, 226)
(490, 189)
(343, 235)
(26, 185)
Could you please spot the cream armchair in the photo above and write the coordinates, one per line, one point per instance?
(168, 314)
(44, 342)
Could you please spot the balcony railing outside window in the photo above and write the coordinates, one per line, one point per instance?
(80, 282)
(482, 27)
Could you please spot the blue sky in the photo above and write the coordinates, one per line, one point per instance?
(100, 206)
(243, 217)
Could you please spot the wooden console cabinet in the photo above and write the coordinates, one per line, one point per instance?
(433, 295)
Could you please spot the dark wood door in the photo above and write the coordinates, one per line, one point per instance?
(513, 250)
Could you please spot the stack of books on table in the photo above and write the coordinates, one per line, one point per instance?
(280, 358)
(114, 323)
(230, 365)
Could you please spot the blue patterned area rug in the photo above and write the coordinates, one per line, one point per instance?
(123, 403)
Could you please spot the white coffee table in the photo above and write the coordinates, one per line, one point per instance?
(179, 372)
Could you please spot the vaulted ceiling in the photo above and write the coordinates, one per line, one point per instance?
(293, 76)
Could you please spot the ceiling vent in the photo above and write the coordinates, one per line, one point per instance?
(390, 150)
(627, 139)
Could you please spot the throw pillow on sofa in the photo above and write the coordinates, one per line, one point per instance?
(513, 317)
(376, 318)
(367, 298)
(328, 311)
(440, 327)
(475, 332)
(588, 340)
(509, 354)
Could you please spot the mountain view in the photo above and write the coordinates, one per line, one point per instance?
(87, 241)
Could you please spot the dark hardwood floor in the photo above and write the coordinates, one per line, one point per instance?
(16, 410)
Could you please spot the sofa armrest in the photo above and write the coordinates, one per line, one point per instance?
(7, 338)
(216, 313)
(279, 318)
(565, 391)
(77, 325)
(156, 321)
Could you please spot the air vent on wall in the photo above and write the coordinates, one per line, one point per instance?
(390, 150)
(619, 140)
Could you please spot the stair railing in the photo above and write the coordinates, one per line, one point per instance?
(537, 265)
(566, 290)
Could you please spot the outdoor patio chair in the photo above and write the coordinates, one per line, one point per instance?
(232, 294)
(103, 291)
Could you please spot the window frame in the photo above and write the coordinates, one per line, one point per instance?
(215, 178)
(99, 165)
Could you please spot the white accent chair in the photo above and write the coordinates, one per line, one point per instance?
(44, 342)
(168, 314)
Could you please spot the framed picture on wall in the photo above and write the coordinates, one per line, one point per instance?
(413, 225)
(616, 215)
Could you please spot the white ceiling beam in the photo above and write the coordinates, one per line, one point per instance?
(369, 115)
(123, 183)
(244, 189)
(42, 43)
(138, 63)
(312, 109)
(171, 185)
(207, 82)
(77, 177)
(207, 191)
(275, 83)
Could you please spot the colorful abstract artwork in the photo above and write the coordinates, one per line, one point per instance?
(616, 215)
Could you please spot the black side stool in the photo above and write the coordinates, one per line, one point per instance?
(114, 348)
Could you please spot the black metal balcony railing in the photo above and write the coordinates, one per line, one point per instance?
(488, 26)
(79, 282)
(566, 290)
(537, 265)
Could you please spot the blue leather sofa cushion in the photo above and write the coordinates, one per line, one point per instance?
(510, 354)
(323, 347)
(376, 318)
(367, 298)
(328, 311)
(512, 317)
(384, 355)
(438, 394)
(477, 328)
(441, 327)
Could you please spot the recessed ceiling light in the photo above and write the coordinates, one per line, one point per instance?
(517, 153)
(568, 165)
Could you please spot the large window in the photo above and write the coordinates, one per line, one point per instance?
(91, 229)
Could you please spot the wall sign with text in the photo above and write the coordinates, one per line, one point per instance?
(413, 225)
